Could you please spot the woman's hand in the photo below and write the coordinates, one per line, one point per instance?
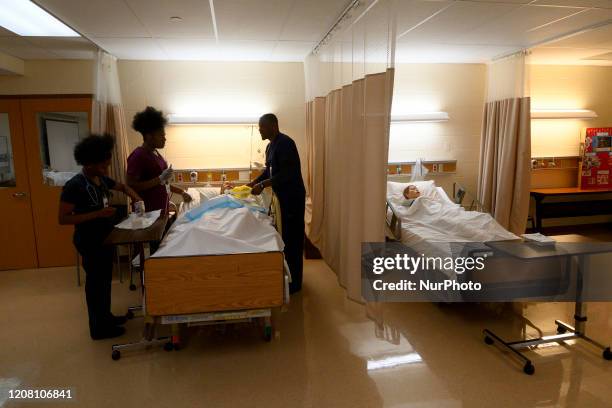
(186, 197)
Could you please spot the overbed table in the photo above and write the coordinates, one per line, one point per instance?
(577, 250)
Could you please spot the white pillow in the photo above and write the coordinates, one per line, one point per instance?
(426, 187)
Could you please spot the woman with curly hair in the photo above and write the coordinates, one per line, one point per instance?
(84, 203)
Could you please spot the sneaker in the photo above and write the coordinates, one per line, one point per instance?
(108, 333)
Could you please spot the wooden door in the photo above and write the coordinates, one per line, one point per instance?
(54, 241)
(17, 242)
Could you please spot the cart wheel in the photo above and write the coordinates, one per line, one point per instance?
(607, 354)
(177, 346)
(168, 346)
(116, 355)
(132, 287)
(268, 333)
(129, 315)
(488, 340)
(529, 369)
(561, 329)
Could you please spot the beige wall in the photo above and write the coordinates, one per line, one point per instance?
(568, 87)
(50, 77)
(458, 89)
(214, 89)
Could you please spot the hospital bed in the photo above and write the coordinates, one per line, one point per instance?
(224, 264)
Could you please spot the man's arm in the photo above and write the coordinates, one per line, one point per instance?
(265, 174)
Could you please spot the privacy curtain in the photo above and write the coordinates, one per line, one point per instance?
(108, 115)
(349, 84)
(505, 151)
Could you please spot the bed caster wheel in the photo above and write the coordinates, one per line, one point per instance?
(116, 355)
(129, 315)
(607, 354)
(177, 346)
(561, 329)
(488, 340)
(168, 346)
(132, 287)
(268, 333)
(529, 369)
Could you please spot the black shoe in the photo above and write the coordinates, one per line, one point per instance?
(294, 289)
(108, 333)
(118, 320)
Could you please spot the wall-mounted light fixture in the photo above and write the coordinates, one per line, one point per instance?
(209, 120)
(420, 117)
(562, 114)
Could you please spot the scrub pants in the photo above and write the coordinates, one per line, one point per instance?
(98, 265)
(292, 218)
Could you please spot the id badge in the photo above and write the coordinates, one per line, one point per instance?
(105, 201)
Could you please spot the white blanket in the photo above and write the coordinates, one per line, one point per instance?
(435, 218)
(221, 231)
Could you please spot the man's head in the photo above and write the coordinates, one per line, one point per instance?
(94, 154)
(268, 126)
(150, 123)
(411, 192)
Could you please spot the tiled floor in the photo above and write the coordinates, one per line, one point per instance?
(328, 353)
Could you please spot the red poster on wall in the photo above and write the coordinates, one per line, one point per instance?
(597, 159)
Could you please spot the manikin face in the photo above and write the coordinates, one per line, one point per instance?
(411, 192)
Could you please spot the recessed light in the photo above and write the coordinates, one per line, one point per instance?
(25, 18)
(176, 18)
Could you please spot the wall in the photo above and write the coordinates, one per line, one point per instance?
(568, 87)
(214, 89)
(458, 89)
(50, 77)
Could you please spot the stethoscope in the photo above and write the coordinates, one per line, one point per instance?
(93, 193)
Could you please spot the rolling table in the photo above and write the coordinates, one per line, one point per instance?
(580, 251)
(561, 209)
(138, 238)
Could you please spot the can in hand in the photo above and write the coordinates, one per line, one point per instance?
(139, 207)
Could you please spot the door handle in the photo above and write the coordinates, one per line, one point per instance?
(20, 194)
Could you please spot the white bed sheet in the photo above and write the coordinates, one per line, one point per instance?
(435, 218)
(221, 231)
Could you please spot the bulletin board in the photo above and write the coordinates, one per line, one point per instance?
(597, 159)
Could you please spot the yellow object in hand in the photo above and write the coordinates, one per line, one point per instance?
(241, 192)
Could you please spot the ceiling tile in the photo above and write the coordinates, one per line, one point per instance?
(457, 20)
(585, 18)
(412, 12)
(567, 56)
(447, 53)
(131, 48)
(20, 48)
(251, 19)
(155, 15)
(511, 28)
(598, 38)
(310, 20)
(99, 18)
(577, 3)
(66, 47)
(209, 50)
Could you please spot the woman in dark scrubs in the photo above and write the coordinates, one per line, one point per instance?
(84, 203)
(147, 171)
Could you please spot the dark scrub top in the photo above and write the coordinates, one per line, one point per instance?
(284, 169)
(88, 197)
(144, 165)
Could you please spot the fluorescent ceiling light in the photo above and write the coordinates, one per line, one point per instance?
(27, 19)
(562, 114)
(421, 117)
(207, 120)
(394, 361)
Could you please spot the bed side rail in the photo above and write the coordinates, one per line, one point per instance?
(394, 222)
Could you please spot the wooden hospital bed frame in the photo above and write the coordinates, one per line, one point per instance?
(211, 289)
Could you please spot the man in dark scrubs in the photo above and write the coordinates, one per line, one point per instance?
(284, 174)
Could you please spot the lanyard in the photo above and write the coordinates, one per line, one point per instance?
(93, 192)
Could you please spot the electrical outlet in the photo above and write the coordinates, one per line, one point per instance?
(434, 167)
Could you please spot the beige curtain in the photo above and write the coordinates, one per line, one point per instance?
(110, 119)
(356, 141)
(315, 176)
(505, 155)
